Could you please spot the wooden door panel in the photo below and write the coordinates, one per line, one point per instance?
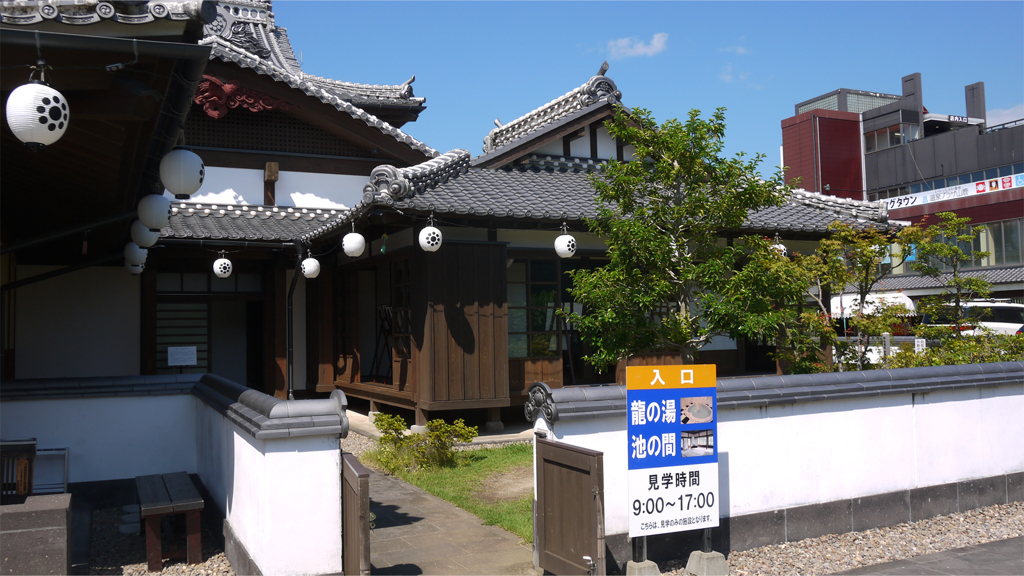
(570, 508)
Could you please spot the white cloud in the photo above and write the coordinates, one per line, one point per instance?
(735, 50)
(629, 47)
(726, 75)
(1001, 116)
(228, 196)
(309, 200)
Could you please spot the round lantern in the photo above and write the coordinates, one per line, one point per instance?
(430, 239)
(310, 267)
(222, 267)
(779, 247)
(37, 114)
(353, 244)
(182, 172)
(142, 235)
(134, 255)
(565, 245)
(154, 211)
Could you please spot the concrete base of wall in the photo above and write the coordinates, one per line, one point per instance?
(854, 515)
(37, 535)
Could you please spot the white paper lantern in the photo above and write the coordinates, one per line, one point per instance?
(310, 267)
(182, 172)
(37, 114)
(222, 267)
(155, 211)
(134, 255)
(430, 239)
(143, 236)
(353, 244)
(135, 269)
(565, 246)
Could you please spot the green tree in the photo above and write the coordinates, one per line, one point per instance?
(673, 281)
(948, 247)
(868, 258)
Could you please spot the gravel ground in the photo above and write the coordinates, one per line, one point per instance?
(117, 547)
(839, 552)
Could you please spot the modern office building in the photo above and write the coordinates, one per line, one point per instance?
(891, 148)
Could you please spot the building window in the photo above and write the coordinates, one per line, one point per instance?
(1005, 242)
(533, 297)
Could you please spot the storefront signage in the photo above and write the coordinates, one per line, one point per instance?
(958, 119)
(954, 192)
(673, 448)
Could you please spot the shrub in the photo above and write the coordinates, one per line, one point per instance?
(978, 349)
(397, 450)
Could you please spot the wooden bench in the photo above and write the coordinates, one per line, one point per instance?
(162, 495)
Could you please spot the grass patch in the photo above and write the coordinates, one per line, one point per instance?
(464, 485)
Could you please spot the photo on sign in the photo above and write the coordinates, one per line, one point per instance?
(697, 410)
(697, 443)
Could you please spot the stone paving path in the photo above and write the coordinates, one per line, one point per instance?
(418, 533)
(999, 557)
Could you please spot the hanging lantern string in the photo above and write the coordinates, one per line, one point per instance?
(120, 65)
(332, 248)
(40, 66)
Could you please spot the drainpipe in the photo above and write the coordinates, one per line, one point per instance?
(291, 328)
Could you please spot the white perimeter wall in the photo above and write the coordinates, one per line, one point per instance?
(81, 324)
(282, 497)
(813, 452)
(109, 438)
(302, 189)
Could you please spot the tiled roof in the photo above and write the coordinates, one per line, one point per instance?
(1007, 275)
(82, 13)
(244, 222)
(550, 189)
(595, 92)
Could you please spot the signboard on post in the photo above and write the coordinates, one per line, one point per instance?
(673, 448)
(181, 355)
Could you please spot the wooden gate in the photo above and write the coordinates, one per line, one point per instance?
(355, 513)
(570, 509)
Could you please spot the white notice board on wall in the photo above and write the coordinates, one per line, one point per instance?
(181, 355)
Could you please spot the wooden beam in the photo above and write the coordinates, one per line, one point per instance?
(270, 172)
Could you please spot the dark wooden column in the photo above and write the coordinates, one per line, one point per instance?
(147, 322)
(275, 330)
(323, 311)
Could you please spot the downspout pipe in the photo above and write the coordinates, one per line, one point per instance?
(291, 328)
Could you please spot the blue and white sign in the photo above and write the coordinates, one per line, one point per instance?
(673, 448)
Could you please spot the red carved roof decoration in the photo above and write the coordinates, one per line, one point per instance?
(216, 96)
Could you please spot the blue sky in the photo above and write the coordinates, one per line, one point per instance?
(477, 61)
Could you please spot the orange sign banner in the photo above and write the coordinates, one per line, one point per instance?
(672, 376)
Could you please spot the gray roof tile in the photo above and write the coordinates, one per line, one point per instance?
(548, 189)
(1007, 275)
(244, 222)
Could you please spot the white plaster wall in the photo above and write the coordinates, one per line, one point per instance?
(546, 239)
(112, 437)
(970, 434)
(302, 189)
(605, 143)
(84, 323)
(792, 455)
(580, 147)
(282, 497)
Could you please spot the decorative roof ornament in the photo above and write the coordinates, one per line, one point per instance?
(388, 183)
(216, 96)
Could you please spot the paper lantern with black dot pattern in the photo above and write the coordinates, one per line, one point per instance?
(37, 114)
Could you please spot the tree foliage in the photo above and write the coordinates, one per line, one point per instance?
(672, 283)
(947, 247)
